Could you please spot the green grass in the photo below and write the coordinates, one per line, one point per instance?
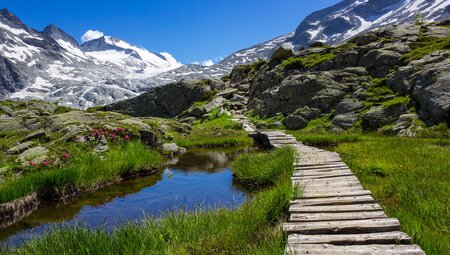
(263, 169)
(425, 46)
(410, 178)
(306, 62)
(84, 171)
(325, 139)
(252, 228)
(396, 101)
(217, 131)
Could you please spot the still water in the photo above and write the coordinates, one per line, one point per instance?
(199, 179)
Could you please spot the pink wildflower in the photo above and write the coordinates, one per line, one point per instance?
(31, 163)
(66, 155)
(127, 137)
(45, 163)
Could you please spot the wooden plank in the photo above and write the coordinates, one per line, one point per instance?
(319, 187)
(327, 172)
(334, 208)
(328, 249)
(343, 227)
(394, 237)
(321, 167)
(343, 179)
(335, 201)
(305, 217)
(344, 193)
(322, 176)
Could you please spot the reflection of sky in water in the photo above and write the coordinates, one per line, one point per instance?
(199, 179)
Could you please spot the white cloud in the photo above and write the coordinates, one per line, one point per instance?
(208, 62)
(91, 35)
(195, 63)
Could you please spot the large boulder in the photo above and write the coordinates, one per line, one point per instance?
(295, 122)
(315, 90)
(406, 125)
(380, 61)
(379, 116)
(283, 52)
(431, 91)
(164, 101)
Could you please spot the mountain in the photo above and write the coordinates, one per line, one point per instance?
(51, 65)
(348, 18)
(141, 62)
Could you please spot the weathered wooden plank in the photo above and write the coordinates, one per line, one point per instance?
(335, 201)
(313, 189)
(343, 227)
(344, 193)
(299, 180)
(323, 176)
(305, 217)
(317, 167)
(328, 249)
(334, 208)
(394, 237)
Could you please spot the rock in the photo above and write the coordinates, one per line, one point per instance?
(432, 93)
(7, 110)
(307, 113)
(435, 57)
(380, 61)
(201, 110)
(11, 124)
(36, 135)
(348, 106)
(365, 39)
(239, 74)
(135, 123)
(379, 116)
(283, 52)
(188, 120)
(3, 170)
(33, 124)
(360, 71)
(400, 81)
(406, 125)
(34, 154)
(344, 121)
(149, 138)
(172, 149)
(164, 101)
(102, 146)
(227, 94)
(222, 111)
(318, 90)
(295, 122)
(17, 149)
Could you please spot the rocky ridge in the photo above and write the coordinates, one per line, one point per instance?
(395, 79)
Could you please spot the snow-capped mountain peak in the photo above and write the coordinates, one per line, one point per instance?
(348, 18)
(141, 62)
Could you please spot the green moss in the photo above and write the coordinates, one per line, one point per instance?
(396, 101)
(306, 62)
(425, 46)
(320, 124)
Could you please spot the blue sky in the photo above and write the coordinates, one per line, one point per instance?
(191, 30)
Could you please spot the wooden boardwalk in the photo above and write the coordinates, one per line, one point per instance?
(335, 215)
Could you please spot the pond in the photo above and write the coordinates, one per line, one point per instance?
(199, 179)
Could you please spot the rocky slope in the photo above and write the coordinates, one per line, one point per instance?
(395, 79)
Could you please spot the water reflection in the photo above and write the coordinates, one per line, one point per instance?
(199, 179)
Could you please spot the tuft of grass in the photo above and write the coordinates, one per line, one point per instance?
(425, 46)
(409, 178)
(320, 124)
(84, 171)
(396, 101)
(264, 169)
(325, 139)
(252, 228)
(216, 131)
(306, 62)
